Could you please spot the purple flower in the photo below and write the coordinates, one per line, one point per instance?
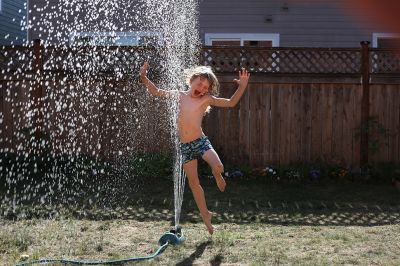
(315, 174)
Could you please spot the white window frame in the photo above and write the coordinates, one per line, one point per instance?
(273, 37)
(377, 35)
(135, 37)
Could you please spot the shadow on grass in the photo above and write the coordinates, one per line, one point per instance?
(217, 260)
(244, 202)
(195, 255)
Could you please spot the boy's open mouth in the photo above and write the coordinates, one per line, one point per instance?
(196, 93)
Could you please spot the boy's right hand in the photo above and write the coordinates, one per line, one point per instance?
(143, 70)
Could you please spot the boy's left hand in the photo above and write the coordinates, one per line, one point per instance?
(243, 78)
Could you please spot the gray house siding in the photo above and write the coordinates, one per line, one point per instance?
(299, 23)
(76, 16)
(12, 19)
(317, 23)
(55, 22)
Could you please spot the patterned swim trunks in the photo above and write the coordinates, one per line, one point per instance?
(194, 149)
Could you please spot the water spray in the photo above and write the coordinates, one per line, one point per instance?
(177, 48)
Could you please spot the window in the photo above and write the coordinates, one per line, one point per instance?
(115, 38)
(257, 60)
(385, 40)
(243, 39)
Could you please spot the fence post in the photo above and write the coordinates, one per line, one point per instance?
(365, 72)
(37, 95)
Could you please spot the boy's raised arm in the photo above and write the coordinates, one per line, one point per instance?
(242, 84)
(150, 85)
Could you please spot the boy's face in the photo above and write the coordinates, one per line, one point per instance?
(199, 87)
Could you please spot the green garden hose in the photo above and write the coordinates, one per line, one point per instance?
(174, 237)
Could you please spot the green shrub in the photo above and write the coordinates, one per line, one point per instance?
(151, 165)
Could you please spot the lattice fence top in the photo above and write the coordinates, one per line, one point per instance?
(116, 63)
(120, 63)
(16, 60)
(283, 60)
(384, 61)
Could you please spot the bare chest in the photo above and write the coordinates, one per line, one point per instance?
(192, 106)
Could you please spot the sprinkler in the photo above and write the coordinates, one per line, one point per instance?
(173, 236)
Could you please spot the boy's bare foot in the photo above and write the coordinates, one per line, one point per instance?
(207, 220)
(220, 182)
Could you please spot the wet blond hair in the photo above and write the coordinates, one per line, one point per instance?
(203, 72)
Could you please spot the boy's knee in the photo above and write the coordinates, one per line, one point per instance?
(219, 168)
(194, 183)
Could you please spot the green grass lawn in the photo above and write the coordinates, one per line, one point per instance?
(256, 223)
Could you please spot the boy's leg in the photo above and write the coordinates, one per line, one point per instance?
(212, 158)
(198, 193)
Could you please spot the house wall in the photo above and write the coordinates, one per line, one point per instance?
(12, 14)
(299, 23)
(56, 20)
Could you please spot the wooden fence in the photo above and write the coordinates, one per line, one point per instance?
(302, 104)
(305, 105)
(98, 118)
(305, 122)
